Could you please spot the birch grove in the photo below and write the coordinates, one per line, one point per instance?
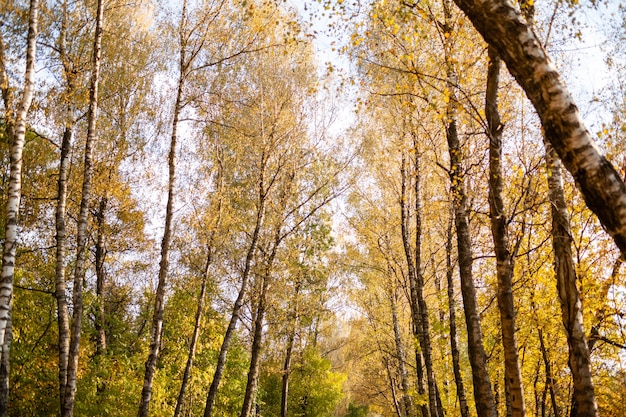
(334, 209)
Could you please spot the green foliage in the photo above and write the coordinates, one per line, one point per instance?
(357, 410)
(315, 390)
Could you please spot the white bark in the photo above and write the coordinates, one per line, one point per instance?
(502, 25)
(16, 132)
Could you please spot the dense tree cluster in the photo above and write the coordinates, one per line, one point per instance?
(189, 228)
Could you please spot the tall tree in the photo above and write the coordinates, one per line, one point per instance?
(504, 254)
(483, 394)
(156, 328)
(67, 409)
(15, 119)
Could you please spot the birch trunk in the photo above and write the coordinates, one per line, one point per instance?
(284, 396)
(255, 354)
(83, 220)
(502, 25)
(101, 339)
(407, 402)
(202, 296)
(571, 308)
(416, 284)
(16, 130)
(61, 233)
(504, 256)
(549, 377)
(159, 300)
(454, 349)
(434, 400)
(483, 395)
(61, 250)
(234, 318)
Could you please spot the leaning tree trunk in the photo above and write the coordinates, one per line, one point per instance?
(584, 404)
(502, 25)
(257, 339)
(202, 296)
(483, 395)
(454, 348)
(234, 317)
(16, 132)
(255, 354)
(500, 233)
(83, 220)
(159, 300)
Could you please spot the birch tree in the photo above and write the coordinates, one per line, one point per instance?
(503, 26)
(67, 408)
(16, 114)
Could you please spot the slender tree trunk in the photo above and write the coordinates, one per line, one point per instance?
(234, 318)
(203, 288)
(500, 233)
(61, 233)
(255, 354)
(83, 220)
(4, 370)
(101, 340)
(392, 384)
(569, 297)
(16, 130)
(407, 402)
(502, 25)
(159, 300)
(454, 349)
(433, 391)
(195, 335)
(483, 395)
(284, 397)
(549, 377)
(286, 373)
(419, 309)
(61, 249)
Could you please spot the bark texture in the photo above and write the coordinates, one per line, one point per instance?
(100, 255)
(503, 26)
(83, 220)
(16, 131)
(504, 255)
(584, 400)
(454, 348)
(63, 319)
(255, 353)
(407, 402)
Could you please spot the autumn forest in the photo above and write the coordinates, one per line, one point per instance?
(331, 208)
